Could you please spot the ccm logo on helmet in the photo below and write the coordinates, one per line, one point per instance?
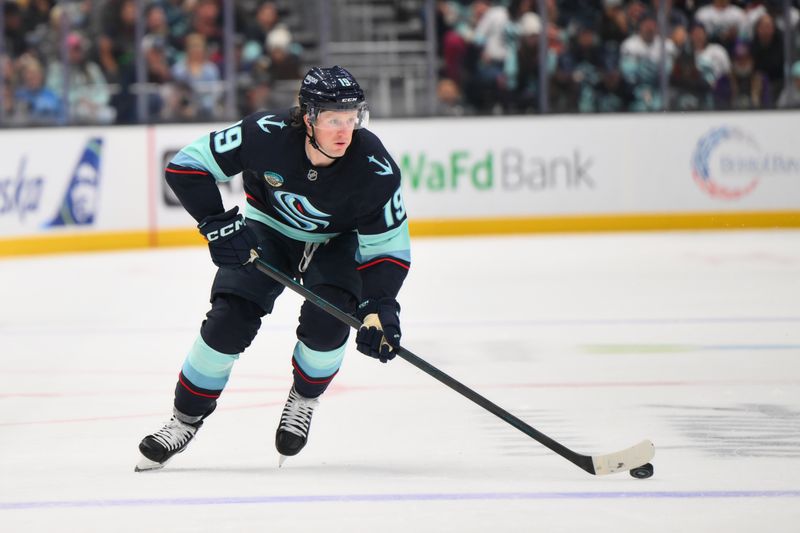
(225, 231)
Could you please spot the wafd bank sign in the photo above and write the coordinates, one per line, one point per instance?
(535, 166)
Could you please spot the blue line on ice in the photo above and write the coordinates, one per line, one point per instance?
(379, 498)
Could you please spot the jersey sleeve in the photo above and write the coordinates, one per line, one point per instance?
(215, 157)
(384, 246)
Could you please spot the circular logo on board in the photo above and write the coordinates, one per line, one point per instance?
(273, 179)
(727, 163)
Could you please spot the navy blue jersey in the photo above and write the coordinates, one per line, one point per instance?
(359, 192)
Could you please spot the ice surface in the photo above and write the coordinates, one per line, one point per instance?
(689, 339)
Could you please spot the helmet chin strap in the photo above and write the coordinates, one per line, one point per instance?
(313, 141)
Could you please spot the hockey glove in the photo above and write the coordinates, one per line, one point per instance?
(379, 334)
(229, 238)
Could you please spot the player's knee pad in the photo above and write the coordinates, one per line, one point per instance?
(320, 331)
(231, 324)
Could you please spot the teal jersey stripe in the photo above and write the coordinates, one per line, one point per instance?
(198, 155)
(206, 367)
(393, 243)
(318, 364)
(293, 233)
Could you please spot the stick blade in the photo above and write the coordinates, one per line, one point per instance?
(624, 460)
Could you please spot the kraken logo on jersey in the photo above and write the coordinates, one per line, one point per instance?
(273, 179)
(299, 212)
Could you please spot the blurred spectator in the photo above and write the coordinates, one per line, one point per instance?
(265, 21)
(517, 8)
(158, 73)
(639, 62)
(690, 89)
(578, 71)
(157, 30)
(46, 39)
(283, 63)
(790, 96)
(116, 44)
(712, 59)
(767, 49)
(37, 13)
(13, 29)
(200, 74)
(179, 103)
(524, 77)
(37, 103)
(87, 98)
(450, 102)
(177, 15)
(722, 21)
(635, 10)
(676, 18)
(9, 108)
(746, 87)
(206, 20)
(614, 27)
(491, 48)
(755, 9)
(117, 55)
(456, 29)
(254, 93)
(612, 94)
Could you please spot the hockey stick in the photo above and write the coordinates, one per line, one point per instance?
(634, 459)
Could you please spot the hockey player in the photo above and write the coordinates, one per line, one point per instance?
(323, 205)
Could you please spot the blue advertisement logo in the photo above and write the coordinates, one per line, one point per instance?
(79, 206)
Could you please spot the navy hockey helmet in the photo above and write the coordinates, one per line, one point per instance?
(332, 89)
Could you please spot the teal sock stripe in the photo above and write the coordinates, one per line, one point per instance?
(316, 364)
(207, 368)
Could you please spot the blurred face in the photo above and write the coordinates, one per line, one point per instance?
(586, 39)
(267, 16)
(33, 77)
(156, 19)
(333, 130)
(648, 30)
(195, 48)
(679, 36)
(765, 29)
(698, 38)
(128, 13)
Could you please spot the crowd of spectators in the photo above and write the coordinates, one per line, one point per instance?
(607, 55)
(75, 61)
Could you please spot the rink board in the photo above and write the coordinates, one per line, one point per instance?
(460, 177)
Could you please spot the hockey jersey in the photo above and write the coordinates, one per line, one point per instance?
(359, 192)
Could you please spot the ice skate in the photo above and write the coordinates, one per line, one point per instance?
(158, 448)
(295, 422)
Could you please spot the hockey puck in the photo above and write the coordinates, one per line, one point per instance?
(642, 472)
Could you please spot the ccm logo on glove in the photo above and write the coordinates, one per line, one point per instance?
(229, 239)
(230, 229)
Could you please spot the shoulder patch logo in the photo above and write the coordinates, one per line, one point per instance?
(273, 179)
(386, 168)
(264, 121)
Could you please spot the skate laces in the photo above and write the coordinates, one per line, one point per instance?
(174, 434)
(296, 416)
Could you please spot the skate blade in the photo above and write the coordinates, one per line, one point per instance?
(146, 464)
(281, 459)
